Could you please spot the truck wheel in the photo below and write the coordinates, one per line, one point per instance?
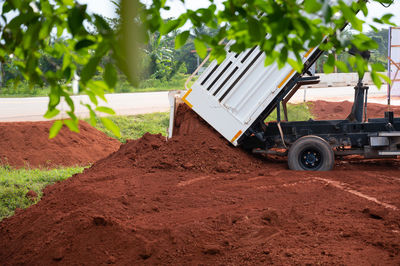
(311, 153)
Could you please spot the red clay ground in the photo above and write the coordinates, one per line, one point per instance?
(27, 144)
(340, 110)
(197, 200)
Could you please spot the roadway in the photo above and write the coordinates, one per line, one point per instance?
(32, 109)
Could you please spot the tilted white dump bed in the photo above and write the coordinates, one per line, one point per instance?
(232, 95)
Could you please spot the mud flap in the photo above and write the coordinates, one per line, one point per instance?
(175, 98)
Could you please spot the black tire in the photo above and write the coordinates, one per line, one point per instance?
(311, 153)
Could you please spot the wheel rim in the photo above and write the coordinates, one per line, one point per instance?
(310, 159)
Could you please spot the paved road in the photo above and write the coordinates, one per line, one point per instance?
(32, 109)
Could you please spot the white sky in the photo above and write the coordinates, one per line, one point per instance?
(106, 8)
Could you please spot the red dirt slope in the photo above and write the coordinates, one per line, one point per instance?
(27, 144)
(197, 200)
(323, 110)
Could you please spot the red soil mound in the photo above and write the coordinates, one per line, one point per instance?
(195, 146)
(323, 110)
(27, 144)
(168, 202)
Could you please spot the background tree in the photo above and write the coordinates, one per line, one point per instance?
(284, 29)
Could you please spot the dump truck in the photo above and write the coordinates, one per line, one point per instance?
(236, 96)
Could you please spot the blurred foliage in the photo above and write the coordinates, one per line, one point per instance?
(284, 30)
(378, 55)
(50, 41)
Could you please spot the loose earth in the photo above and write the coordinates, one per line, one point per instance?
(195, 199)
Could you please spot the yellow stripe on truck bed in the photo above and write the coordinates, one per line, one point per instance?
(286, 78)
(309, 52)
(291, 72)
(186, 101)
(236, 136)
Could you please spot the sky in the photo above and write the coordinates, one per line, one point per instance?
(106, 8)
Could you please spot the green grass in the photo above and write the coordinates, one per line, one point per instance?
(296, 112)
(15, 183)
(150, 85)
(176, 83)
(134, 127)
(23, 90)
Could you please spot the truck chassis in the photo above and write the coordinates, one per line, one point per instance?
(311, 145)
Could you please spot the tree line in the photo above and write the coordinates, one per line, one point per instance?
(159, 59)
(100, 53)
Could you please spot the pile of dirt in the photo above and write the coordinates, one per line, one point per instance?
(195, 146)
(168, 202)
(323, 110)
(27, 144)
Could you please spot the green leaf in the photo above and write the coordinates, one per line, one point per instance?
(269, 60)
(181, 39)
(350, 15)
(55, 128)
(386, 19)
(201, 48)
(378, 67)
(54, 97)
(72, 125)
(329, 64)
(363, 7)
(327, 11)
(75, 18)
(169, 26)
(69, 101)
(98, 87)
(46, 8)
(92, 97)
(51, 113)
(361, 66)
(83, 43)
(66, 61)
(73, 117)
(111, 126)
(110, 76)
(312, 6)
(106, 110)
(352, 61)
(92, 120)
(375, 78)
(255, 31)
(373, 28)
(89, 69)
(45, 29)
(342, 66)
(296, 65)
(102, 25)
(283, 57)
(68, 2)
(384, 77)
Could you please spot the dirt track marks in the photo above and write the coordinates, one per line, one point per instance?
(345, 187)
